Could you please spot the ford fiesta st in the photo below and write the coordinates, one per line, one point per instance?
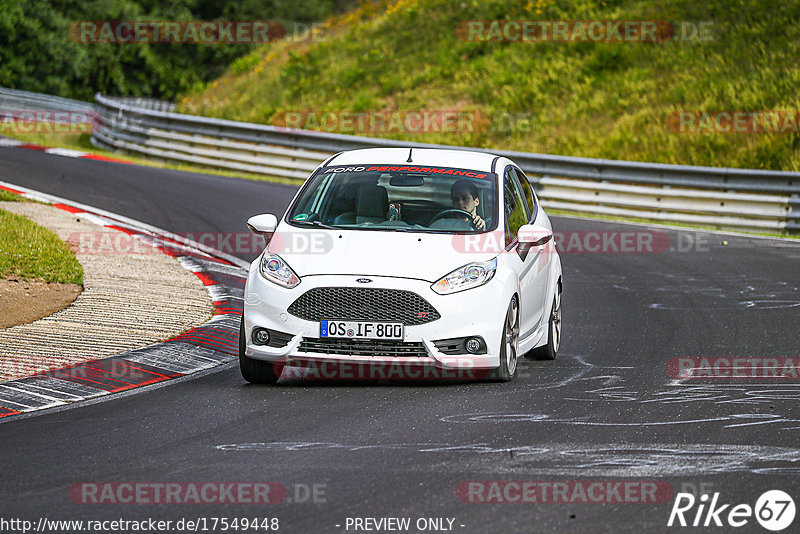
(438, 258)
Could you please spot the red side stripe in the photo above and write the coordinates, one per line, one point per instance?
(206, 279)
(140, 384)
(11, 190)
(70, 209)
(121, 229)
(169, 252)
(98, 157)
(219, 346)
(129, 366)
(103, 373)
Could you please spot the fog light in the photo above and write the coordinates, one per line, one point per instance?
(260, 336)
(473, 345)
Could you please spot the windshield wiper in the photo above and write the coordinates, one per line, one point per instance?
(318, 223)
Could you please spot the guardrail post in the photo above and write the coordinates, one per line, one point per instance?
(793, 218)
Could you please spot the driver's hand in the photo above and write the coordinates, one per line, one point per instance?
(479, 223)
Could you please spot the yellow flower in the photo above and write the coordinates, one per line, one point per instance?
(538, 5)
(400, 4)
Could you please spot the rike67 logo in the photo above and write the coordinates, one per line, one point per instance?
(774, 510)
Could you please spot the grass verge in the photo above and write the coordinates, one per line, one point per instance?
(6, 196)
(33, 252)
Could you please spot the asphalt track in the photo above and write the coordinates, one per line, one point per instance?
(605, 410)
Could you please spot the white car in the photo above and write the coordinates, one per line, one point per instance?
(389, 258)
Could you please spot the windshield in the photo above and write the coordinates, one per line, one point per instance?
(399, 198)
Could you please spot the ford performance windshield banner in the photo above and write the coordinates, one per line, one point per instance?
(395, 168)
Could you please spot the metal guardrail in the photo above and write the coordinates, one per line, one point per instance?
(152, 104)
(746, 199)
(14, 101)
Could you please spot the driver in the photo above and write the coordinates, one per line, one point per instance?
(464, 194)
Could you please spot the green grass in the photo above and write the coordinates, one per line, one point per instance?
(30, 251)
(6, 196)
(592, 99)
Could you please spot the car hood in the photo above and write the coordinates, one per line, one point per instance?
(423, 256)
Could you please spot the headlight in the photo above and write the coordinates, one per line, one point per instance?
(466, 277)
(274, 269)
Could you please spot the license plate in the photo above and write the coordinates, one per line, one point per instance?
(361, 330)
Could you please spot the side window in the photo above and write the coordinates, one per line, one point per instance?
(514, 206)
(528, 192)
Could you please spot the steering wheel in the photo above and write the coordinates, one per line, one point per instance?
(451, 213)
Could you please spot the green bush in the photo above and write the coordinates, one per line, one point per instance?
(36, 53)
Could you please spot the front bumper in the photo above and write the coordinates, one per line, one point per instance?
(475, 312)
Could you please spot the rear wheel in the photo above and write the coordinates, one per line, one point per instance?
(256, 371)
(550, 350)
(509, 348)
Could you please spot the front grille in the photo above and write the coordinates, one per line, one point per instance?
(364, 347)
(363, 304)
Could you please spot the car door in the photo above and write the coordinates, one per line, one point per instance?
(533, 271)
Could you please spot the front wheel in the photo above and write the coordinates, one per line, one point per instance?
(550, 350)
(256, 371)
(509, 348)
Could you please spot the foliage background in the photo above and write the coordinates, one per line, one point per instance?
(37, 55)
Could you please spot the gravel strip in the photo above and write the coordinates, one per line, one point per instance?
(129, 301)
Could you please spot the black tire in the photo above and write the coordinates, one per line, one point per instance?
(550, 350)
(510, 341)
(256, 371)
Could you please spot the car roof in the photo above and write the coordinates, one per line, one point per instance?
(438, 157)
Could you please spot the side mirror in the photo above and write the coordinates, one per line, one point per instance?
(263, 224)
(534, 235)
